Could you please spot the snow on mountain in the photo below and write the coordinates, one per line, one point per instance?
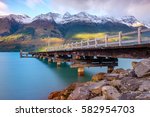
(85, 17)
(49, 16)
(131, 21)
(80, 17)
(18, 18)
(67, 18)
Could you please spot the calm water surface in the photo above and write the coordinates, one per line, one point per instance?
(33, 79)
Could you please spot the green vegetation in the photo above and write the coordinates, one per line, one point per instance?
(41, 49)
(86, 36)
(11, 37)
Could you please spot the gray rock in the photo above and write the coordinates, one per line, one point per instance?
(97, 85)
(130, 84)
(129, 96)
(110, 93)
(112, 76)
(144, 96)
(98, 98)
(142, 68)
(80, 93)
(115, 83)
(145, 86)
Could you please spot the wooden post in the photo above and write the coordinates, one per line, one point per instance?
(81, 44)
(88, 43)
(20, 53)
(139, 35)
(58, 63)
(76, 44)
(120, 38)
(110, 69)
(49, 60)
(81, 71)
(71, 45)
(106, 40)
(95, 42)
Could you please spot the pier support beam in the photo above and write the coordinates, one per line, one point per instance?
(20, 53)
(44, 58)
(58, 63)
(81, 71)
(110, 69)
(49, 60)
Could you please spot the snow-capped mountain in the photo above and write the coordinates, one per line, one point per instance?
(80, 17)
(131, 21)
(85, 17)
(49, 16)
(18, 18)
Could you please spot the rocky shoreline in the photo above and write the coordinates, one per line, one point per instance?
(131, 84)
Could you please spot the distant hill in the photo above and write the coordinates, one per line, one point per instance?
(61, 26)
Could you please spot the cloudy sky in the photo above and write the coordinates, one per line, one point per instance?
(116, 8)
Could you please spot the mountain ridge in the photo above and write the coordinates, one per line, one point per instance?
(81, 16)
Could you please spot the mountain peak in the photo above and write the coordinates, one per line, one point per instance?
(49, 16)
(83, 14)
(18, 18)
(131, 21)
(66, 15)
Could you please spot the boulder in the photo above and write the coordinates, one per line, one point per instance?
(110, 93)
(63, 95)
(111, 76)
(98, 98)
(144, 96)
(122, 73)
(118, 71)
(96, 88)
(145, 86)
(98, 77)
(129, 95)
(130, 84)
(53, 95)
(97, 85)
(142, 68)
(115, 83)
(134, 64)
(80, 93)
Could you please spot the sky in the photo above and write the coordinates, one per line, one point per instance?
(116, 8)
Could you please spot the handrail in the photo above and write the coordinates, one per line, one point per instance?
(94, 43)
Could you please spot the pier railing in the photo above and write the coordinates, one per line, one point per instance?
(118, 40)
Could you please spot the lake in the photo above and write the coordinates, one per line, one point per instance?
(34, 79)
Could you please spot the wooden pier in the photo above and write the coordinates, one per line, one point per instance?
(96, 53)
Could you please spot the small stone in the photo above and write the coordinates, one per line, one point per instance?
(110, 93)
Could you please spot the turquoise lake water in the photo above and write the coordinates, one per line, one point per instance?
(34, 79)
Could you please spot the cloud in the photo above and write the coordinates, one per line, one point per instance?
(4, 9)
(33, 3)
(138, 8)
